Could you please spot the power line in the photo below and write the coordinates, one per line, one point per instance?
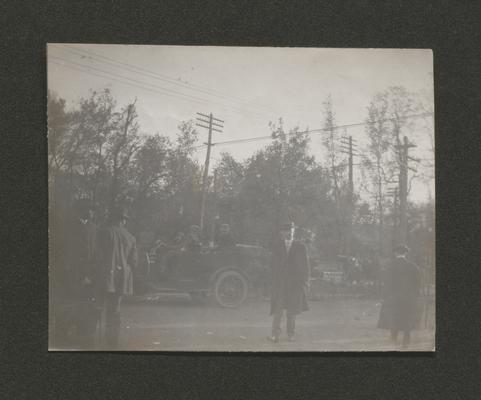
(164, 78)
(313, 131)
(169, 92)
(146, 87)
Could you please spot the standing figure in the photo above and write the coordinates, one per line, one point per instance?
(290, 276)
(119, 257)
(400, 305)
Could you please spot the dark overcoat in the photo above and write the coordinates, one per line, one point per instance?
(399, 310)
(81, 253)
(289, 277)
(119, 258)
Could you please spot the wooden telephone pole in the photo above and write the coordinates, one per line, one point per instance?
(348, 147)
(211, 124)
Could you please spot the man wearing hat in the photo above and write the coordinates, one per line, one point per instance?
(290, 275)
(119, 257)
(399, 308)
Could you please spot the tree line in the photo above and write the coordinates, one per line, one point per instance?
(97, 150)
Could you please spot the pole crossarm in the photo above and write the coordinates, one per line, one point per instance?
(203, 115)
(206, 127)
(208, 122)
(209, 117)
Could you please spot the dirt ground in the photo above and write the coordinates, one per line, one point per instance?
(174, 323)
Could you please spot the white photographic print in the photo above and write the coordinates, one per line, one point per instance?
(240, 199)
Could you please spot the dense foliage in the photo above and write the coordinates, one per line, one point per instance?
(97, 151)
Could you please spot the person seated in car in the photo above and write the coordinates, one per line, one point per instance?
(225, 238)
(179, 241)
(193, 240)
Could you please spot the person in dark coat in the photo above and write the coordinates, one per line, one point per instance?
(400, 305)
(290, 275)
(119, 258)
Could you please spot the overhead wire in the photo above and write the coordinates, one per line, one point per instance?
(170, 92)
(313, 131)
(148, 86)
(163, 77)
(150, 74)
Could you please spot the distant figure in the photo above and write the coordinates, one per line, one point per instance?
(352, 272)
(154, 251)
(225, 239)
(193, 240)
(290, 276)
(399, 308)
(119, 257)
(157, 253)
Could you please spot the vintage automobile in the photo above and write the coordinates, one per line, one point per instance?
(226, 275)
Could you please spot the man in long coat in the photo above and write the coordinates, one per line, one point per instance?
(290, 276)
(119, 257)
(399, 311)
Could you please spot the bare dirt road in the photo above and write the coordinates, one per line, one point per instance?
(174, 323)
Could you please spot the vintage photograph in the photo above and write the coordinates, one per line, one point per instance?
(240, 199)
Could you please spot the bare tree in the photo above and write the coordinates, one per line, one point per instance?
(335, 165)
(377, 160)
(123, 145)
(389, 119)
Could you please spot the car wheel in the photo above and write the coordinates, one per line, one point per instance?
(230, 289)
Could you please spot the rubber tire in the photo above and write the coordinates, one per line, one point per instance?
(218, 281)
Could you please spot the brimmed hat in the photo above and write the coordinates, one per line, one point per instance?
(401, 249)
(120, 212)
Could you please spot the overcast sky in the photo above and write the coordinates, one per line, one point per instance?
(245, 86)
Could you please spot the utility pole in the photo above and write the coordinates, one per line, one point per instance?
(216, 217)
(211, 124)
(394, 192)
(403, 150)
(348, 147)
